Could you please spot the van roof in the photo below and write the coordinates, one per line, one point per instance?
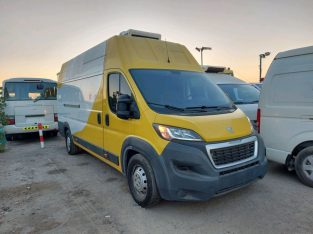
(295, 52)
(129, 52)
(217, 78)
(134, 52)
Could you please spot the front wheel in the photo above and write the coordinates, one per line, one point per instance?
(304, 166)
(141, 182)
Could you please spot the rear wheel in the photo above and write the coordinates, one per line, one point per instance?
(71, 148)
(9, 137)
(141, 182)
(304, 166)
(54, 133)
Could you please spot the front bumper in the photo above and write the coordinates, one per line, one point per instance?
(29, 128)
(191, 175)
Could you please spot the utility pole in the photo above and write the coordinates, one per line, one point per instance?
(262, 56)
(201, 49)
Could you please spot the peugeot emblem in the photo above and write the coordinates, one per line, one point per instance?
(230, 129)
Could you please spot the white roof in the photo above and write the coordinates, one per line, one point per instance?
(295, 52)
(138, 33)
(28, 79)
(218, 78)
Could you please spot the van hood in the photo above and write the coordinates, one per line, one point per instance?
(211, 128)
(250, 110)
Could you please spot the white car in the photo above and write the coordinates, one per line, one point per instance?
(30, 101)
(244, 95)
(286, 112)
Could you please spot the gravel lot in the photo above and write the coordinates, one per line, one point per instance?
(45, 190)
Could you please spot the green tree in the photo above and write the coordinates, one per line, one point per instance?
(3, 118)
(3, 121)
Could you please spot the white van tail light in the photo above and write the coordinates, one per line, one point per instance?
(258, 120)
(56, 118)
(11, 120)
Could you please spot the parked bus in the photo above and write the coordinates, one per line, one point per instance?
(30, 101)
(145, 107)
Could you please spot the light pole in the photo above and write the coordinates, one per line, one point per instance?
(201, 51)
(262, 56)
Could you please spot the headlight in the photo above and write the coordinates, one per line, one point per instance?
(170, 133)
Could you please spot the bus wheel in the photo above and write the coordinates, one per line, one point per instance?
(304, 166)
(71, 148)
(9, 137)
(141, 182)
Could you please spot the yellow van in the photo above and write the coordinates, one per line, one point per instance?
(145, 107)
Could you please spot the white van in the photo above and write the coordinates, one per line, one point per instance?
(30, 101)
(244, 95)
(286, 111)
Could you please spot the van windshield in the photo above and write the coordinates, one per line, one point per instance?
(241, 93)
(34, 91)
(167, 91)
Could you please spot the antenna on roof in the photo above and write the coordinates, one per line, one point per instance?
(168, 57)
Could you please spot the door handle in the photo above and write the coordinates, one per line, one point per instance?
(99, 118)
(107, 120)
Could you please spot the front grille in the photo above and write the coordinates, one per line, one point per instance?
(232, 154)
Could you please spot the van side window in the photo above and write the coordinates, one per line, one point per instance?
(117, 86)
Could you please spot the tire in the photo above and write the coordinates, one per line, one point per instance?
(304, 166)
(54, 133)
(141, 182)
(71, 148)
(9, 137)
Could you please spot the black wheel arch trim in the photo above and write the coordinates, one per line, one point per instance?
(62, 126)
(157, 163)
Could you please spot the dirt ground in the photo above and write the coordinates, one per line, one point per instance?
(48, 191)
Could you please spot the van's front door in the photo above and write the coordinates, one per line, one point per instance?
(115, 129)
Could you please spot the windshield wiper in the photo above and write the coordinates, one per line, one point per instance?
(205, 108)
(37, 99)
(167, 106)
(241, 102)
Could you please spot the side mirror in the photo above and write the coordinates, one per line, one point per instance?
(123, 106)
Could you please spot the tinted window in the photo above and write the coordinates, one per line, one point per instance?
(23, 91)
(179, 91)
(117, 86)
(241, 93)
